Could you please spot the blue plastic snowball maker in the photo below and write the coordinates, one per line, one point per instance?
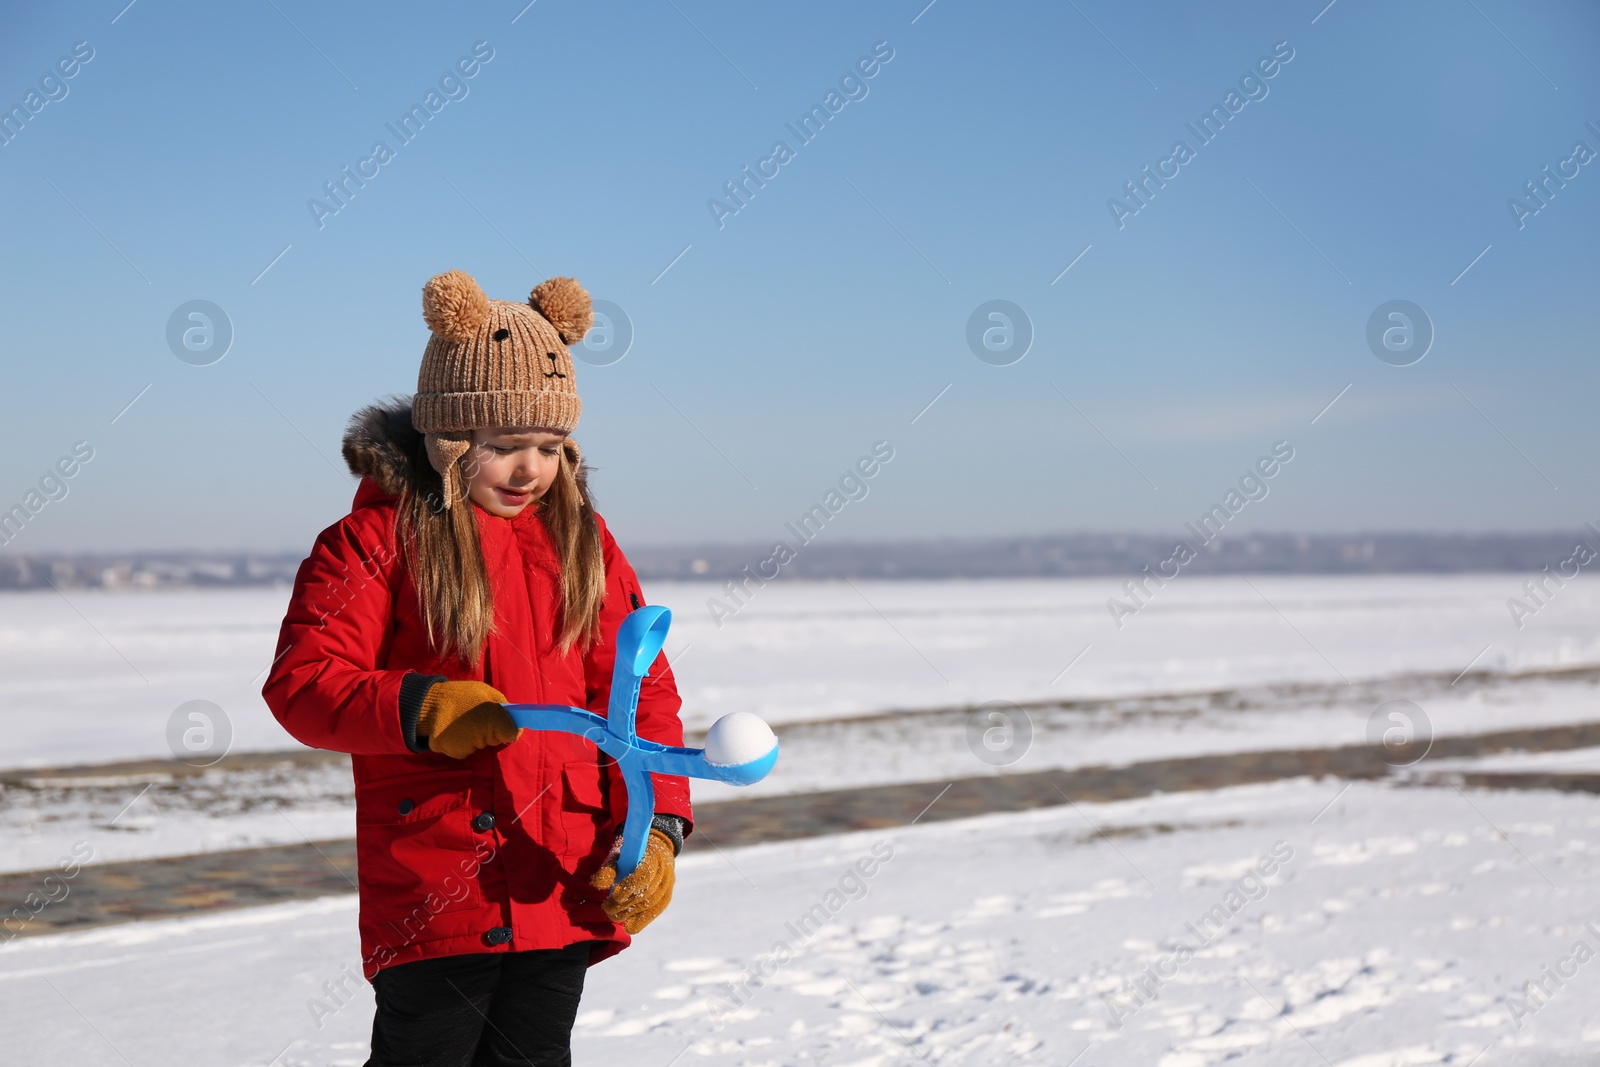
(639, 639)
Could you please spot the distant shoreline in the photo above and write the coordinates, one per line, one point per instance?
(1045, 556)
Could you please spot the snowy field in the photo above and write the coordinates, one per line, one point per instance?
(97, 677)
(1211, 666)
(1397, 927)
(121, 819)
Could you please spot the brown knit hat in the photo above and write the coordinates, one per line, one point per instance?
(495, 363)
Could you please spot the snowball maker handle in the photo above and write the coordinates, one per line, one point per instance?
(639, 640)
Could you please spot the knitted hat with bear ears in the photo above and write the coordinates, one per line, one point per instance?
(495, 363)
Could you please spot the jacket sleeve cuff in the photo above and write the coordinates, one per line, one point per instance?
(672, 826)
(413, 690)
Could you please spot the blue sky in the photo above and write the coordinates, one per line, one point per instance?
(829, 311)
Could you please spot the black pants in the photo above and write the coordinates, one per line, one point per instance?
(495, 1009)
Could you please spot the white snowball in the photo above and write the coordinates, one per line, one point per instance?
(738, 737)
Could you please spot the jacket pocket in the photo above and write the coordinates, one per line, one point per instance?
(416, 853)
(586, 824)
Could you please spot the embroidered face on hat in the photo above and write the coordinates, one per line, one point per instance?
(496, 363)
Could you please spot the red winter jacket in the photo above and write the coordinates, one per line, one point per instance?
(492, 853)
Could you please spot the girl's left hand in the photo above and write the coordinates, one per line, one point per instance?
(639, 898)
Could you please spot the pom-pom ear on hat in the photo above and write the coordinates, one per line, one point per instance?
(453, 305)
(566, 305)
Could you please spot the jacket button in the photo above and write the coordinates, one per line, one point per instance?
(484, 822)
(498, 936)
(405, 806)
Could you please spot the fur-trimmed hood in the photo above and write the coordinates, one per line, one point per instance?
(380, 443)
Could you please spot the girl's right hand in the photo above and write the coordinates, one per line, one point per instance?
(459, 718)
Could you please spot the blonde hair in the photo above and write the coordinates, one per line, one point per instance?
(444, 556)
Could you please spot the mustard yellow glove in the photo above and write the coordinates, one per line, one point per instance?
(458, 718)
(639, 898)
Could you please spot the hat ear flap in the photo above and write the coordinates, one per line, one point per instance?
(572, 455)
(566, 305)
(453, 305)
(444, 453)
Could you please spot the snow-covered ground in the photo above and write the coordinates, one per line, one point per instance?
(113, 818)
(98, 676)
(120, 818)
(1209, 667)
(1561, 761)
(1397, 927)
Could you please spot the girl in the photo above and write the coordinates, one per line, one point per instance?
(472, 572)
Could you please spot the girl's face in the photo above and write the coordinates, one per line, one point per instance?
(509, 467)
